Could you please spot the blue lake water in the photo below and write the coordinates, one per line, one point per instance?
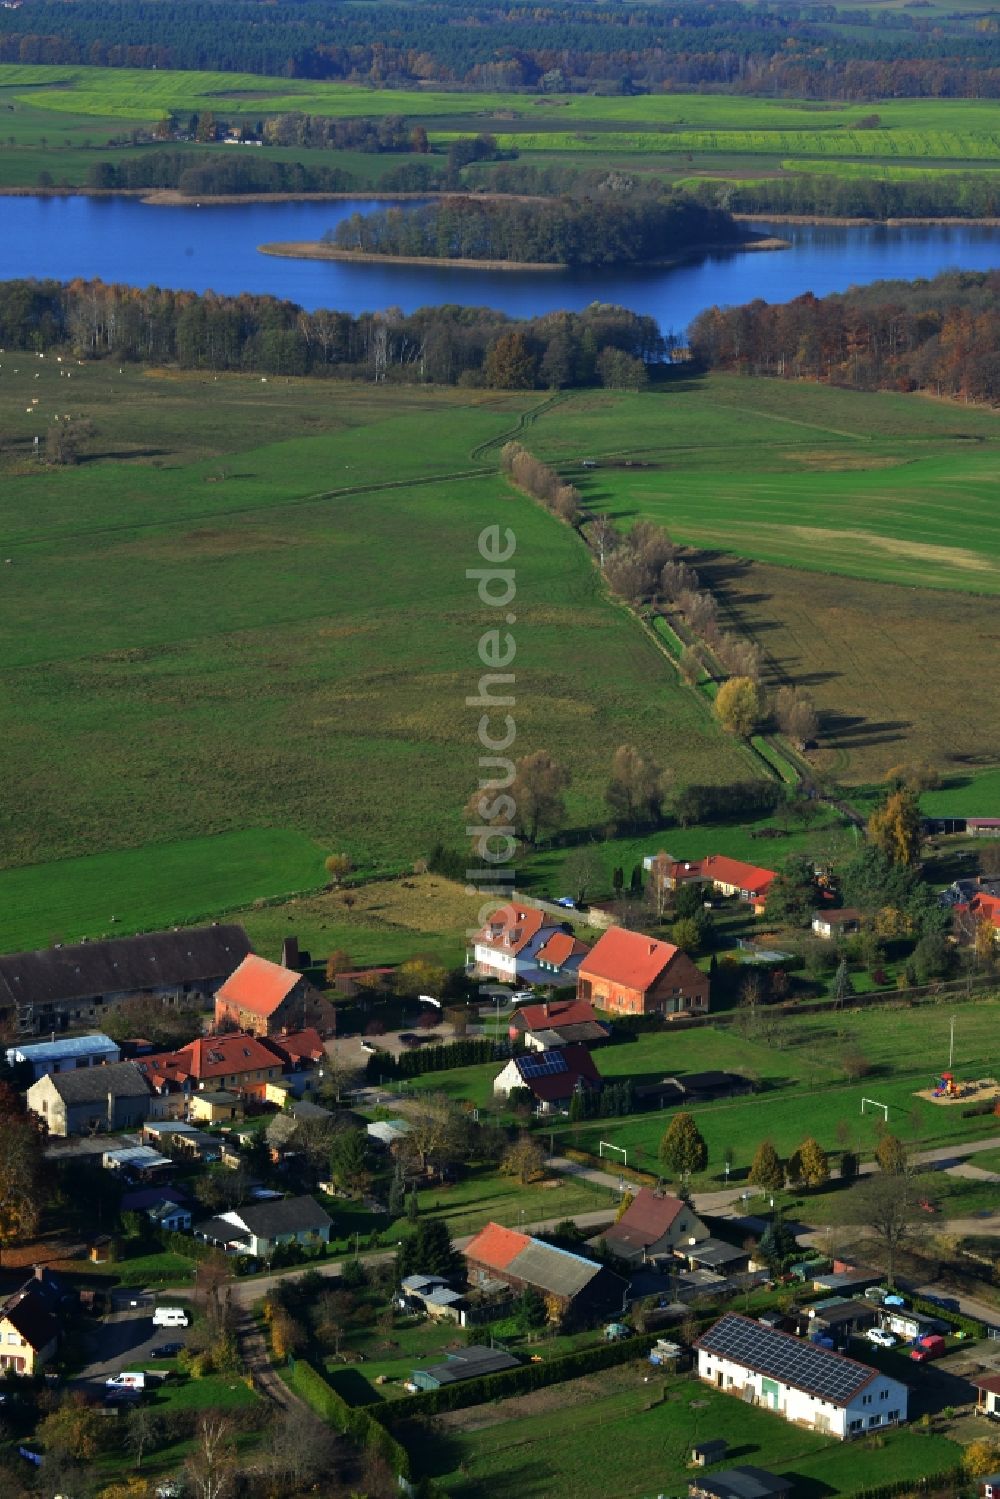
(215, 247)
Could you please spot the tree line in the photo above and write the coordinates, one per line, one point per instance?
(962, 195)
(939, 335)
(565, 231)
(472, 346)
(811, 52)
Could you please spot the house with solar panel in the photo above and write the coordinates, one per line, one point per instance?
(551, 1077)
(575, 1289)
(809, 1385)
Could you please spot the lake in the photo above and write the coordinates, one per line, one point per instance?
(215, 247)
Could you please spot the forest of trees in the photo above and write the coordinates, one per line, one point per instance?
(563, 231)
(941, 336)
(446, 345)
(802, 51)
(946, 195)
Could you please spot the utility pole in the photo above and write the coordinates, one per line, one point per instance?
(951, 1046)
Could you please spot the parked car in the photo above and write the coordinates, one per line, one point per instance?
(894, 1299)
(170, 1316)
(880, 1337)
(166, 1350)
(520, 995)
(567, 901)
(946, 1303)
(132, 1379)
(876, 1294)
(929, 1347)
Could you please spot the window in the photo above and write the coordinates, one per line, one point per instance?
(883, 1394)
(855, 1425)
(874, 1420)
(13, 1337)
(892, 1416)
(866, 1400)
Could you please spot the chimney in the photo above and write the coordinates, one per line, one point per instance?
(652, 948)
(39, 1272)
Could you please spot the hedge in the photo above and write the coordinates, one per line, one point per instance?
(356, 1423)
(971, 1326)
(514, 1381)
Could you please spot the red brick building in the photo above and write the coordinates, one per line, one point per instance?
(263, 998)
(630, 974)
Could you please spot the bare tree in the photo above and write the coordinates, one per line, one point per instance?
(888, 1207)
(211, 1466)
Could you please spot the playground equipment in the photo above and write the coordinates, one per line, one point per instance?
(948, 1088)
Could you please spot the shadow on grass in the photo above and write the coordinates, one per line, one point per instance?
(352, 1385)
(808, 1488)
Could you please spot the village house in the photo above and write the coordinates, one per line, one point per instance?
(574, 1288)
(630, 974)
(832, 925)
(551, 1077)
(260, 1228)
(653, 1226)
(808, 1385)
(59, 987)
(988, 1399)
(558, 1022)
(264, 998)
(722, 874)
(29, 1325)
(236, 1063)
(217, 1106)
(90, 1100)
(505, 947)
(63, 1055)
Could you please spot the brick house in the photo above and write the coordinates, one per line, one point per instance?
(235, 1062)
(263, 998)
(630, 974)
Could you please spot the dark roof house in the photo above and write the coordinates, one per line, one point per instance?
(465, 1363)
(57, 986)
(744, 1482)
(552, 1077)
(653, 1224)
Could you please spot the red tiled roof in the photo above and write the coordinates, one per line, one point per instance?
(551, 1087)
(839, 916)
(649, 1217)
(296, 1046)
(559, 948)
(209, 1056)
(259, 986)
(511, 928)
(496, 1246)
(735, 872)
(988, 1382)
(627, 958)
(557, 1012)
(985, 907)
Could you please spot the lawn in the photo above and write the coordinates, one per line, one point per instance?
(805, 1090)
(532, 1445)
(250, 642)
(164, 884)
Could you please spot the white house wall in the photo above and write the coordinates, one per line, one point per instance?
(881, 1403)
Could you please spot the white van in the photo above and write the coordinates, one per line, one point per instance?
(171, 1316)
(132, 1380)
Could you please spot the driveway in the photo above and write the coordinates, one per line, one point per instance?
(124, 1340)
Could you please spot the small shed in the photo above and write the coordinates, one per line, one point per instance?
(101, 1249)
(215, 1108)
(907, 1324)
(703, 1454)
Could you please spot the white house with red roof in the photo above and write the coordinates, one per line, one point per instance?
(551, 1077)
(631, 974)
(262, 998)
(746, 882)
(519, 942)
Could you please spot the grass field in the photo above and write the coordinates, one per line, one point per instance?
(534, 1445)
(58, 118)
(805, 1091)
(889, 668)
(162, 884)
(250, 642)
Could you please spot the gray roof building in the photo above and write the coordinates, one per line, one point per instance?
(56, 984)
(468, 1363)
(744, 1482)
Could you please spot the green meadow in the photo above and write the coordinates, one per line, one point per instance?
(57, 118)
(162, 884)
(283, 634)
(532, 1447)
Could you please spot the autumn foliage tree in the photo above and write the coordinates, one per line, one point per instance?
(636, 789)
(894, 829)
(766, 1168)
(739, 706)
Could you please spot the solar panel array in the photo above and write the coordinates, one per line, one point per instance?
(542, 1064)
(778, 1355)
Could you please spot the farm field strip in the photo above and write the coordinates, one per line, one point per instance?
(142, 94)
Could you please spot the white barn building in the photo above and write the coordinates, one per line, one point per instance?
(807, 1384)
